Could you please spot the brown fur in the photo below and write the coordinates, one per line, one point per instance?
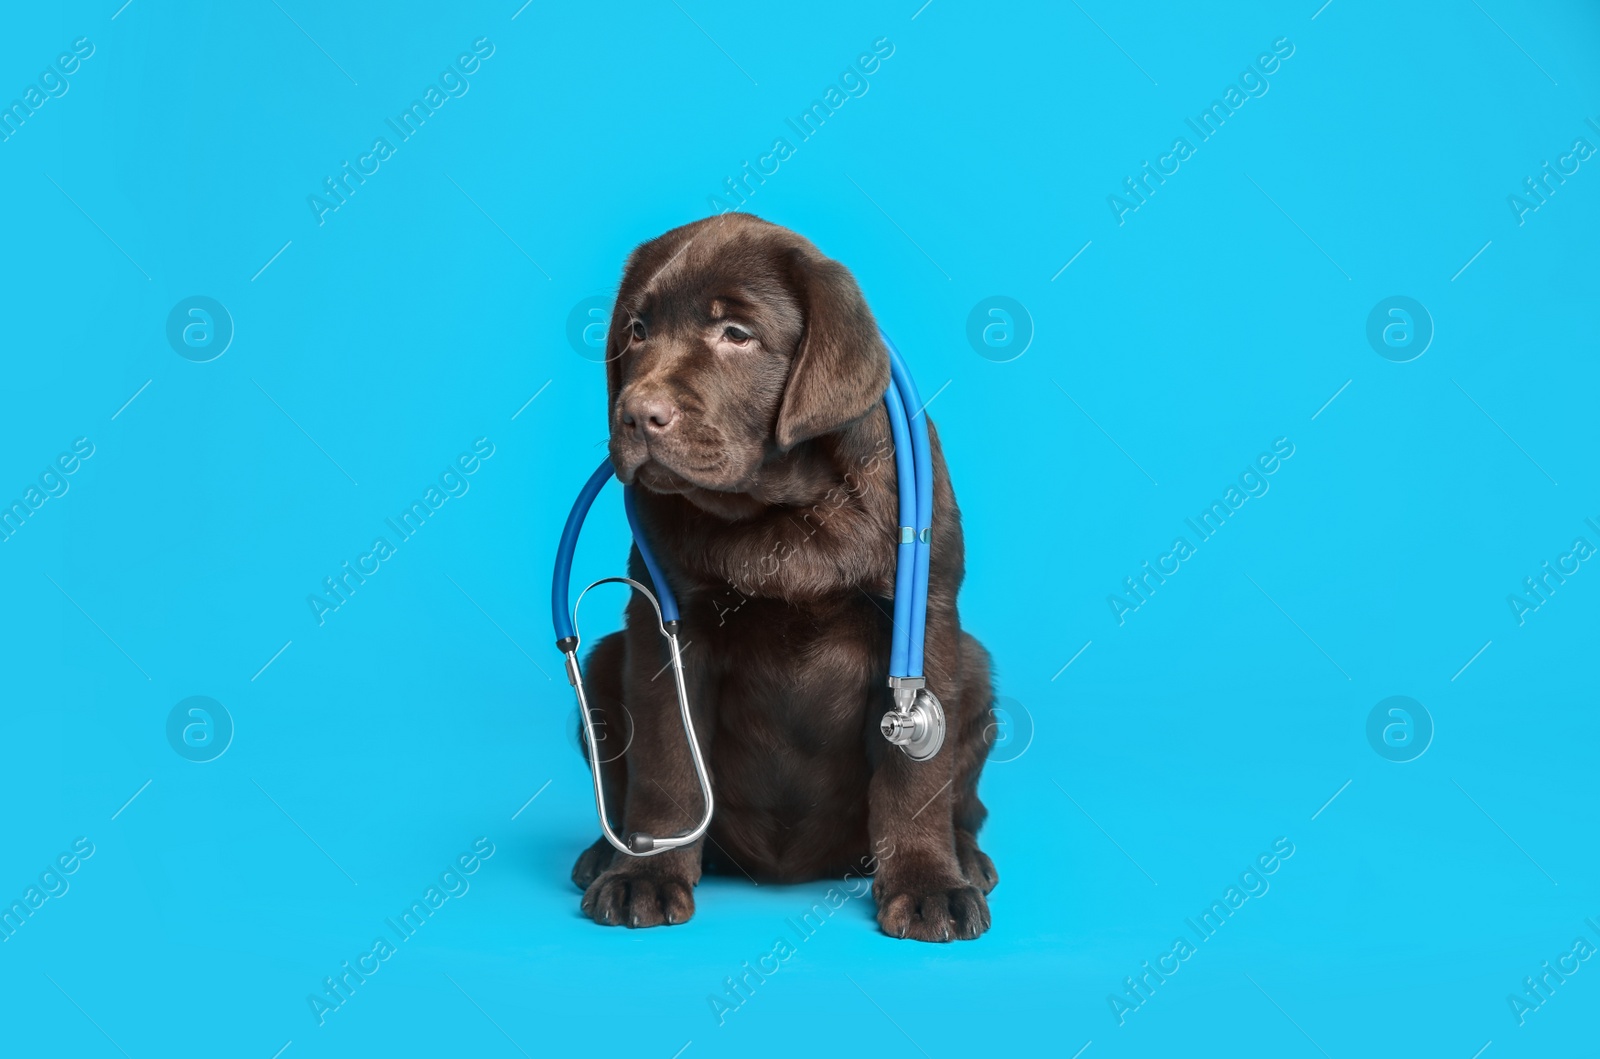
(766, 486)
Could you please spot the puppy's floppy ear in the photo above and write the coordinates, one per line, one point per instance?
(841, 368)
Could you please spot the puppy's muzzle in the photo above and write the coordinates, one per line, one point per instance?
(648, 418)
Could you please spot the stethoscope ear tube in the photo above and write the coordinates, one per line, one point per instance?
(640, 844)
(667, 608)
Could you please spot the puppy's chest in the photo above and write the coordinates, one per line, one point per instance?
(807, 672)
(792, 707)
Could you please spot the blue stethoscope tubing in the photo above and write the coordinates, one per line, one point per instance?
(913, 456)
(910, 433)
(567, 641)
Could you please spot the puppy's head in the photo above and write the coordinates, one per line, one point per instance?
(732, 341)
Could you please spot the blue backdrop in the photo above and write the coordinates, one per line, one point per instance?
(1262, 343)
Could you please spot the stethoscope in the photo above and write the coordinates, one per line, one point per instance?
(916, 722)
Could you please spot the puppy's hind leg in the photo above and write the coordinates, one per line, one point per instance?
(972, 749)
(602, 679)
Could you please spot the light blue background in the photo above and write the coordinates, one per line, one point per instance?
(428, 310)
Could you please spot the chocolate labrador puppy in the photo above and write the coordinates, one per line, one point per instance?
(746, 381)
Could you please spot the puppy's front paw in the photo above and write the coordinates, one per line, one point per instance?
(957, 912)
(638, 895)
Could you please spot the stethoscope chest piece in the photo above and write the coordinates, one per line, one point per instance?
(915, 726)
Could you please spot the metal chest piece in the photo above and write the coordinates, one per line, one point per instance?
(916, 724)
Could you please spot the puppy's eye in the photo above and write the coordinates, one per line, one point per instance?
(638, 330)
(737, 335)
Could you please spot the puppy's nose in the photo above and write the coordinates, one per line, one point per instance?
(649, 416)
